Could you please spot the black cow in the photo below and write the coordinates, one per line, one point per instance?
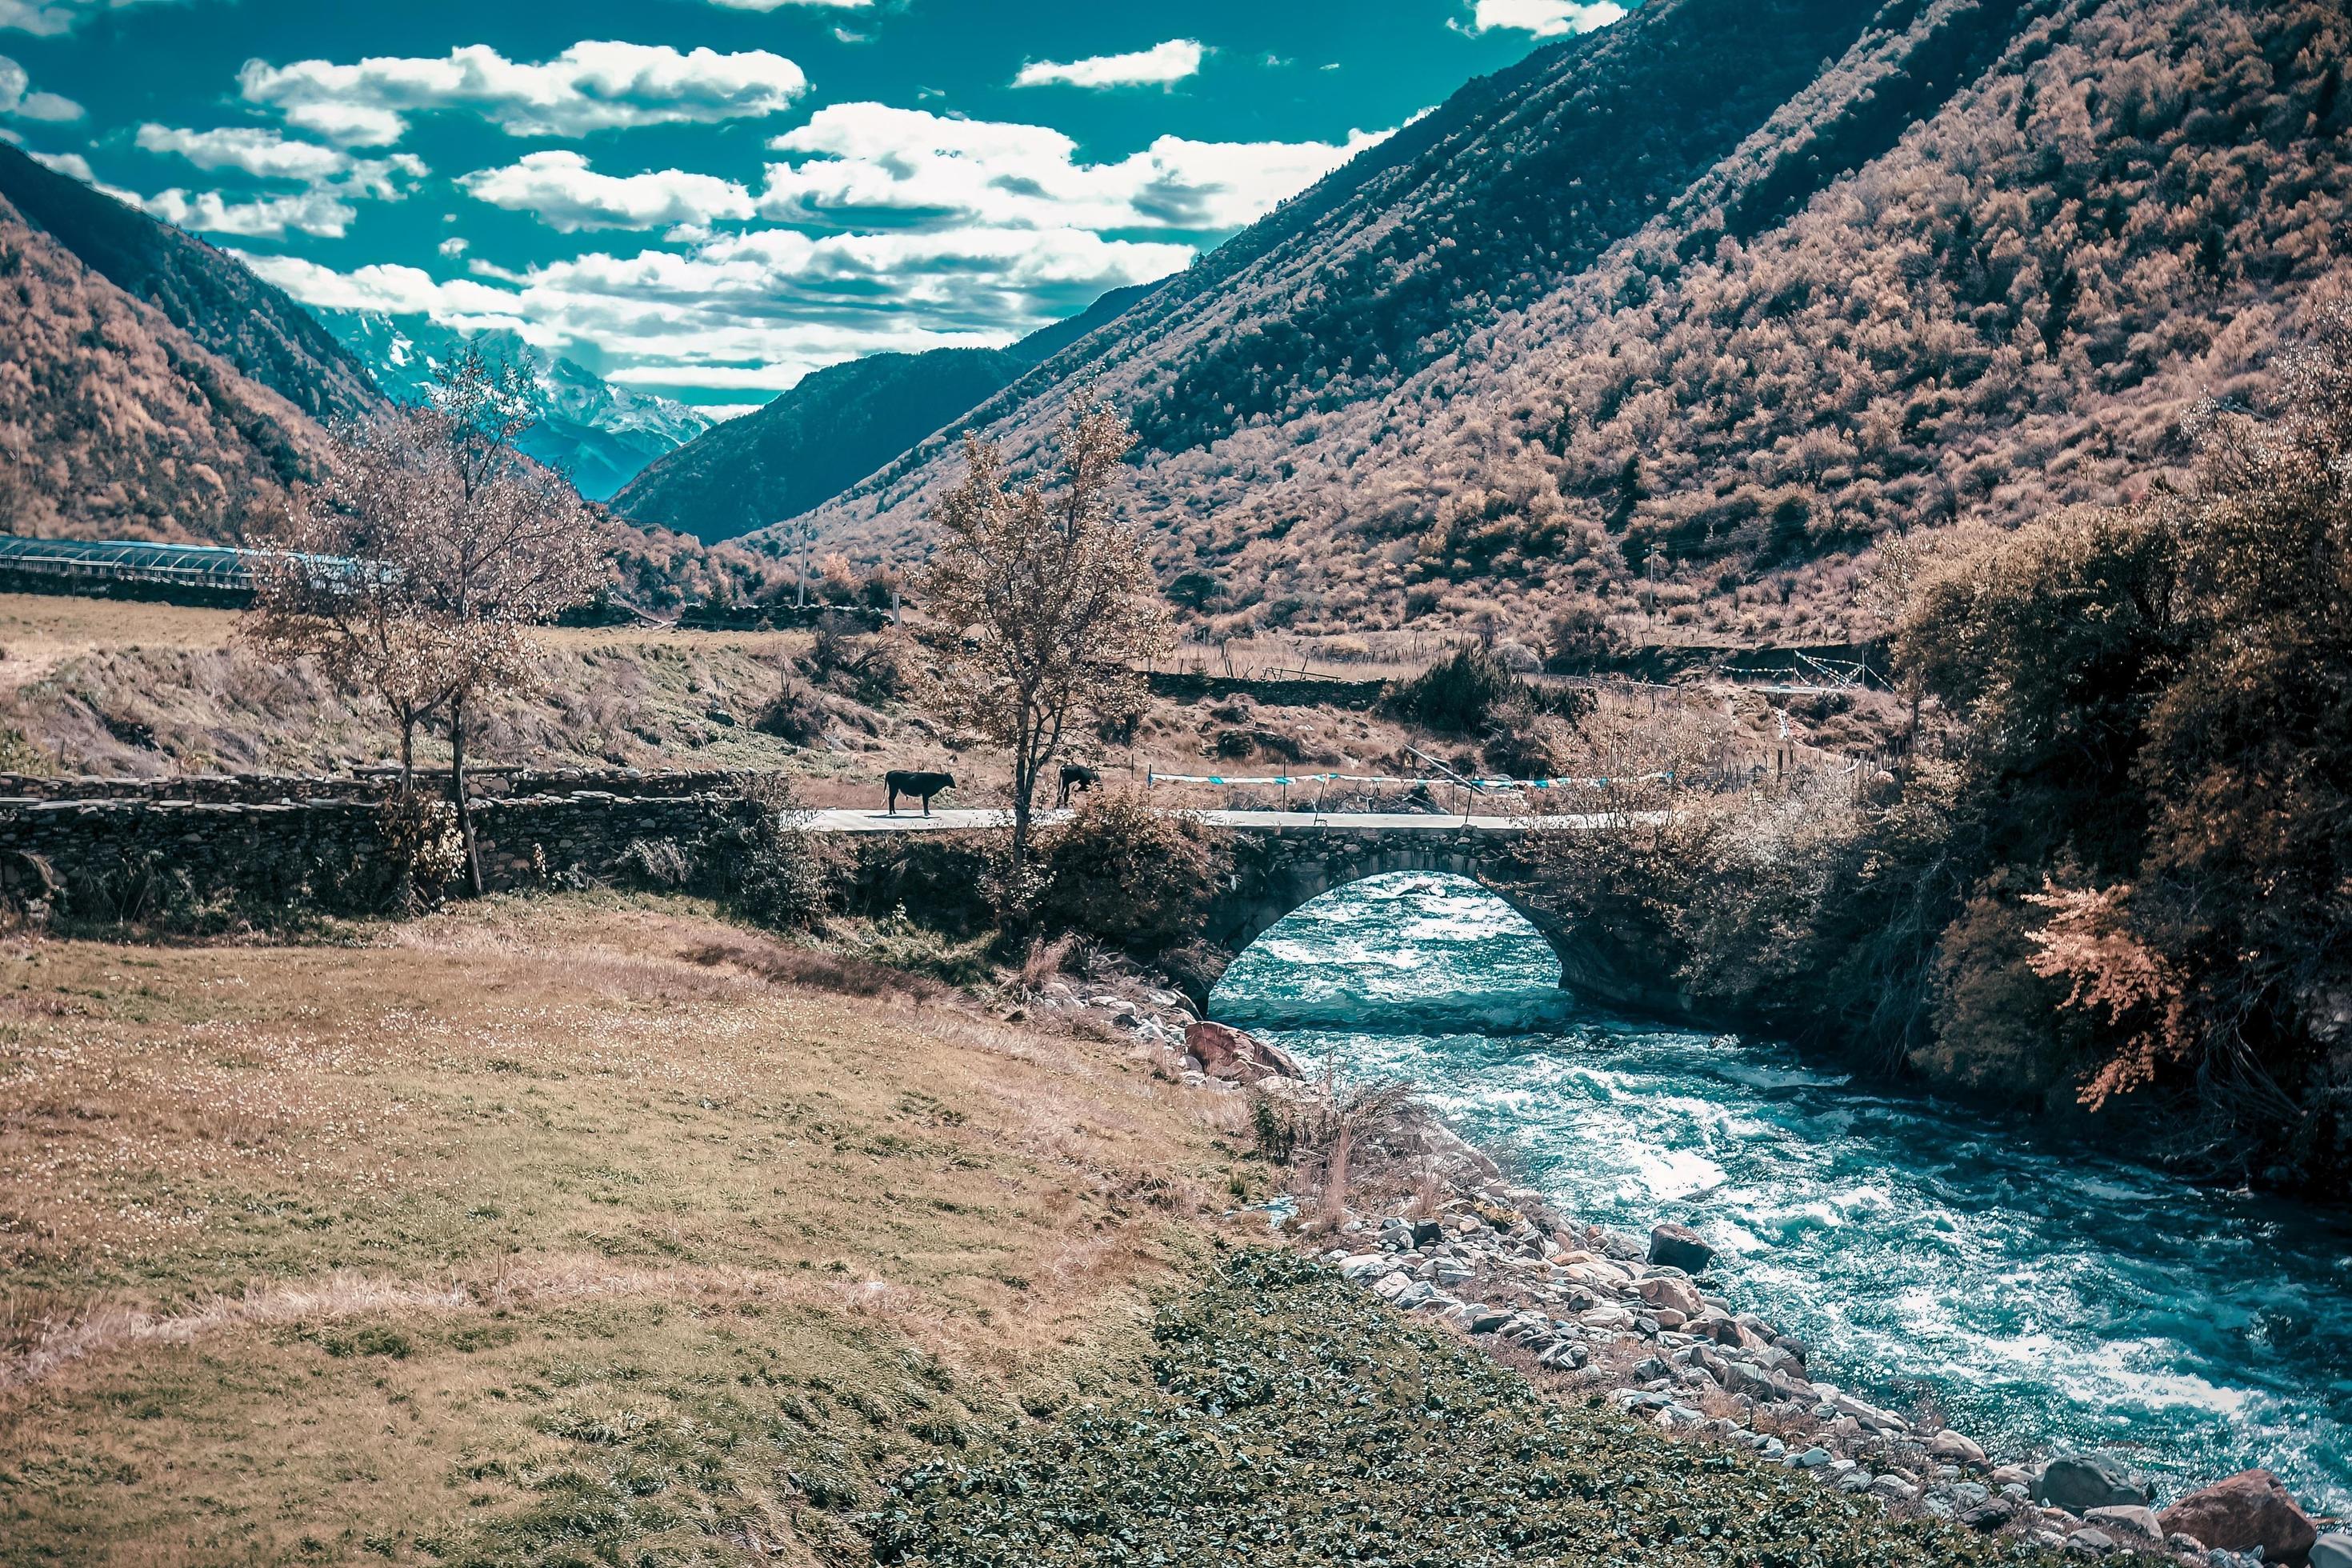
(923, 786)
(1077, 777)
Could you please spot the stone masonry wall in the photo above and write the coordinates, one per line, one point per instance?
(323, 852)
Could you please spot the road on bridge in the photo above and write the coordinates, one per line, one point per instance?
(854, 819)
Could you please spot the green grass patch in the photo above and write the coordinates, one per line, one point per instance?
(1288, 1419)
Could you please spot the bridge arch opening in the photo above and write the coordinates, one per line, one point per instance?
(1430, 949)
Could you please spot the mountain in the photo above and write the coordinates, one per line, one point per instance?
(124, 414)
(598, 434)
(833, 427)
(1680, 318)
(212, 298)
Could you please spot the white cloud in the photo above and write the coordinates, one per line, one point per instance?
(1544, 19)
(334, 180)
(870, 157)
(49, 17)
(780, 5)
(318, 212)
(453, 247)
(589, 87)
(569, 197)
(264, 155)
(18, 101)
(758, 311)
(1155, 67)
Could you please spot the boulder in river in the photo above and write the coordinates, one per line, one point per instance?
(1679, 1247)
(1228, 1053)
(2333, 1550)
(2249, 1510)
(2079, 1481)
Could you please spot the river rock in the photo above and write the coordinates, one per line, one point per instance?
(2133, 1524)
(1950, 1444)
(2092, 1543)
(1676, 1295)
(2079, 1481)
(2250, 1509)
(1679, 1247)
(2333, 1550)
(1228, 1053)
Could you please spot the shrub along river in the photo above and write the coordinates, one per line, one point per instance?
(1930, 1256)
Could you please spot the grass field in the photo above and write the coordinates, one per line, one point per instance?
(532, 1232)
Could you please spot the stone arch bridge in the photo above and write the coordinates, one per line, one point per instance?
(1278, 869)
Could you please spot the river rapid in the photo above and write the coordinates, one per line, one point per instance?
(1931, 1258)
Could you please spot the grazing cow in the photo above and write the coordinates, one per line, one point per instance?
(923, 786)
(1077, 777)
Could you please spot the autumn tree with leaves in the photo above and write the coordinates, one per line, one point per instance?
(415, 570)
(1043, 602)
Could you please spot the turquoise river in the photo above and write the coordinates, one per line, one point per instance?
(2036, 1297)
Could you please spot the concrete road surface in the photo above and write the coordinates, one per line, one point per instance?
(859, 819)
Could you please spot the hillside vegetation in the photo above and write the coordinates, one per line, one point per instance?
(211, 297)
(1673, 314)
(833, 429)
(117, 422)
(2112, 873)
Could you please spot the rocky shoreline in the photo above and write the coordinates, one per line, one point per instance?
(1433, 1228)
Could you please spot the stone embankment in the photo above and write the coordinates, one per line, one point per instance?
(1648, 1323)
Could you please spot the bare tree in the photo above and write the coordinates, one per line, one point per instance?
(1045, 602)
(418, 566)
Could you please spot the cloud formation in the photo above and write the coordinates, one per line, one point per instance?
(1544, 19)
(780, 5)
(321, 211)
(589, 87)
(250, 150)
(19, 101)
(758, 311)
(569, 197)
(334, 178)
(46, 18)
(872, 159)
(1155, 67)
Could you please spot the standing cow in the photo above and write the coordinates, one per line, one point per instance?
(1077, 777)
(922, 785)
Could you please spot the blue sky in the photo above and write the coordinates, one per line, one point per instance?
(708, 198)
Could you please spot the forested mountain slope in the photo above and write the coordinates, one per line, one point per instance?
(211, 297)
(117, 422)
(838, 425)
(1678, 314)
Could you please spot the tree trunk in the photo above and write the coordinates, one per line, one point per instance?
(457, 798)
(407, 754)
(1025, 780)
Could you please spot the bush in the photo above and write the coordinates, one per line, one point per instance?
(779, 874)
(866, 667)
(795, 715)
(1120, 873)
(1580, 637)
(1464, 694)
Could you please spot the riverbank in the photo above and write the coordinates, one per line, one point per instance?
(1585, 1310)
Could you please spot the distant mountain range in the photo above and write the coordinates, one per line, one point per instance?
(835, 427)
(598, 434)
(1677, 319)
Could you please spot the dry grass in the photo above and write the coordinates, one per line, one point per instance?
(329, 1254)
